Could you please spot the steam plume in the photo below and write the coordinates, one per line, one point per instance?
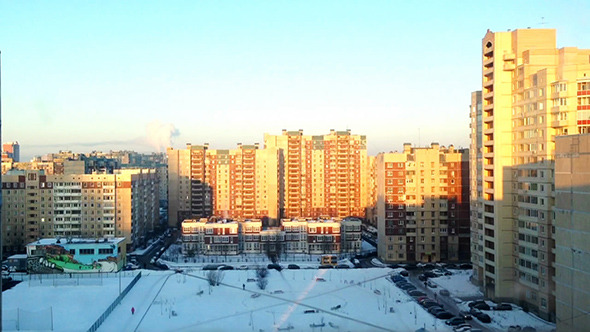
(159, 135)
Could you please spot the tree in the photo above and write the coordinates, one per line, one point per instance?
(214, 277)
(262, 283)
(261, 272)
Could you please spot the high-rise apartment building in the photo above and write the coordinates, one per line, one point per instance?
(238, 183)
(423, 204)
(11, 150)
(572, 231)
(124, 204)
(324, 175)
(531, 92)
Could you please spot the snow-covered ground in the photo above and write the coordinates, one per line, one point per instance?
(342, 300)
(458, 284)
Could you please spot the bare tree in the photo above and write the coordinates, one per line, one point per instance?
(261, 272)
(214, 277)
(261, 283)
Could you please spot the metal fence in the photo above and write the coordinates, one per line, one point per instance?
(113, 305)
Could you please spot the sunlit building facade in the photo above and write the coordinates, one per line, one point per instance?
(531, 93)
(423, 204)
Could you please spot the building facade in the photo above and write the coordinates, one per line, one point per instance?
(572, 231)
(208, 236)
(324, 175)
(531, 93)
(423, 204)
(124, 204)
(240, 183)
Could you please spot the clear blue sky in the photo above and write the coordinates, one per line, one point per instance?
(86, 75)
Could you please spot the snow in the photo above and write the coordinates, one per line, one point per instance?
(342, 300)
(458, 284)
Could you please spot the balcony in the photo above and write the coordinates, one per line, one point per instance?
(509, 66)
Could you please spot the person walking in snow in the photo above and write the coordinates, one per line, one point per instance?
(243, 286)
(133, 310)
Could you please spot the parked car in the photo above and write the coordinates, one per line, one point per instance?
(404, 273)
(275, 267)
(407, 287)
(430, 274)
(429, 304)
(462, 328)
(484, 318)
(342, 266)
(444, 315)
(435, 310)
(466, 315)
(416, 293)
(325, 266)
(444, 292)
(466, 266)
(472, 303)
(482, 306)
(503, 306)
(293, 267)
(226, 267)
(431, 284)
(422, 277)
(397, 277)
(455, 321)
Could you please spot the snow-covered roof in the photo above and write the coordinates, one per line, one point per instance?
(75, 241)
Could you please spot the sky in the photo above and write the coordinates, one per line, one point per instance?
(144, 75)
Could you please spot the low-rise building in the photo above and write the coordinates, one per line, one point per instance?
(76, 255)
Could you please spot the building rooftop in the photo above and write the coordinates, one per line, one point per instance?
(77, 241)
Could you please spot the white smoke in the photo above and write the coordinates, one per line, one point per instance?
(159, 135)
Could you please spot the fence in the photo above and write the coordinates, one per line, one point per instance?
(110, 309)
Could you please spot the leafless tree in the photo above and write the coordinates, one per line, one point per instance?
(214, 277)
(261, 283)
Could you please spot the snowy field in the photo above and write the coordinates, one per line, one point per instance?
(343, 300)
(69, 304)
(335, 300)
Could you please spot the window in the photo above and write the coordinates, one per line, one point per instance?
(86, 251)
(105, 251)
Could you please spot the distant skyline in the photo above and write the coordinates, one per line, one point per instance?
(110, 75)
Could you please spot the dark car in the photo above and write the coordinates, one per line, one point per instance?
(503, 306)
(482, 306)
(430, 274)
(326, 267)
(410, 267)
(455, 321)
(444, 292)
(484, 318)
(444, 315)
(342, 266)
(472, 303)
(465, 315)
(397, 277)
(211, 267)
(275, 267)
(401, 282)
(407, 287)
(420, 301)
(226, 267)
(416, 293)
(428, 304)
(393, 266)
(435, 310)
(293, 267)
(404, 273)
(466, 266)
(422, 277)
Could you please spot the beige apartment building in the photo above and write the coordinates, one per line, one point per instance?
(324, 175)
(240, 183)
(572, 231)
(35, 205)
(423, 204)
(531, 93)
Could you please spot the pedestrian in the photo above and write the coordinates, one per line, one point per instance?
(244, 286)
(133, 310)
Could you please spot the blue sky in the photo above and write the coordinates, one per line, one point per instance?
(95, 75)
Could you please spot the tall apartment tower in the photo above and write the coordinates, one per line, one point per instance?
(531, 92)
(423, 204)
(239, 183)
(324, 175)
(572, 231)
